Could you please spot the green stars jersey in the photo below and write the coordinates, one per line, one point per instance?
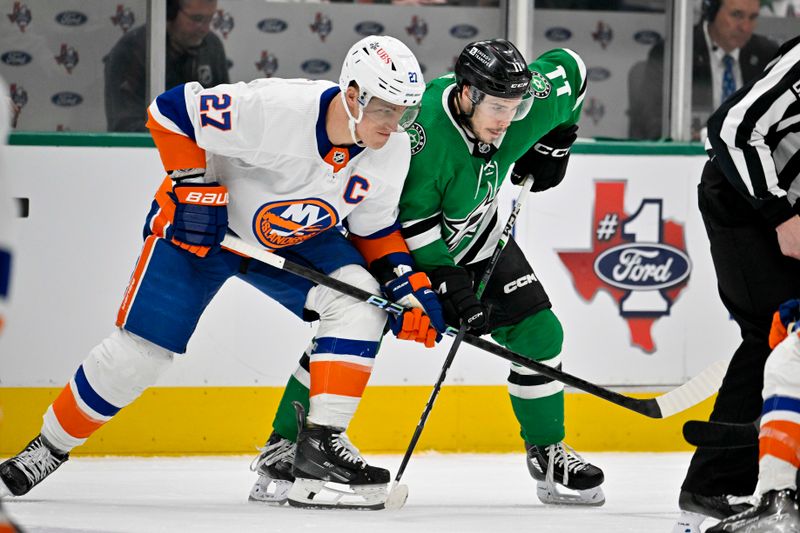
(448, 208)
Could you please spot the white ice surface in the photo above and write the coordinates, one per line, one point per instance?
(459, 493)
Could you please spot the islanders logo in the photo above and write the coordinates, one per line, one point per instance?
(639, 259)
(289, 222)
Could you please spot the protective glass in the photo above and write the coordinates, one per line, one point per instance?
(504, 109)
(391, 115)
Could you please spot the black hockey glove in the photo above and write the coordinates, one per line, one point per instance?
(546, 160)
(454, 285)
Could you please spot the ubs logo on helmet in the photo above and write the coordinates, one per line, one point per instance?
(289, 222)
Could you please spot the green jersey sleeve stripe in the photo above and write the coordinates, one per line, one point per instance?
(582, 73)
(425, 238)
(412, 228)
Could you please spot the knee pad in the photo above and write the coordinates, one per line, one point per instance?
(121, 367)
(343, 316)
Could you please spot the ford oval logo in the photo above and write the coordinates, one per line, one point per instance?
(558, 34)
(598, 74)
(16, 58)
(463, 31)
(648, 37)
(636, 266)
(71, 18)
(315, 66)
(272, 25)
(369, 27)
(67, 99)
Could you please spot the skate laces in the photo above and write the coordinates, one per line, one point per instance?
(340, 443)
(281, 450)
(36, 461)
(565, 456)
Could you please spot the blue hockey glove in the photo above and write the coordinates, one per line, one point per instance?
(423, 322)
(200, 220)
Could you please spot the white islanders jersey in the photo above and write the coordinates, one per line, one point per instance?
(266, 142)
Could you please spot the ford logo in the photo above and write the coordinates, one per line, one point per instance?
(558, 34)
(598, 74)
(71, 18)
(463, 31)
(315, 66)
(647, 37)
(272, 25)
(369, 27)
(636, 266)
(67, 99)
(16, 58)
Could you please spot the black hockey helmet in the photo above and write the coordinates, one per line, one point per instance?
(495, 67)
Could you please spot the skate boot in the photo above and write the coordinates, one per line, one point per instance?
(25, 470)
(330, 472)
(695, 508)
(776, 512)
(559, 465)
(274, 467)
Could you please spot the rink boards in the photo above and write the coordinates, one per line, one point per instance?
(636, 295)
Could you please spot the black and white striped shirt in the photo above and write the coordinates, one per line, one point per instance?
(755, 137)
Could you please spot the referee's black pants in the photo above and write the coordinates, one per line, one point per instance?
(753, 278)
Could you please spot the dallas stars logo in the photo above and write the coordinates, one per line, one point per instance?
(540, 86)
(417, 136)
(458, 229)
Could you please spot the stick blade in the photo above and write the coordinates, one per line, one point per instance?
(693, 391)
(397, 498)
(721, 434)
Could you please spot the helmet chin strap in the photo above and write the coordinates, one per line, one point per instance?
(352, 121)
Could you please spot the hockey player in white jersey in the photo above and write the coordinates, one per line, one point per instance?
(779, 438)
(281, 164)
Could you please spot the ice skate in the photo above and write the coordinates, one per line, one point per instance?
(776, 512)
(695, 508)
(274, 468)
(29, 467)
(556, 466)
(330, 472)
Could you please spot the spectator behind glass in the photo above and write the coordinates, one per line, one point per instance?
(193, 54)
(725, 30)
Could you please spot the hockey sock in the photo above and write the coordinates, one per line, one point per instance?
(538, 401)
(285, 422)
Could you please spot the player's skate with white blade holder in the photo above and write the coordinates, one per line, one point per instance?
(695, 508)
(274, 468)
(29, 467)
(776, 512)
(558, 466)
(330, 472)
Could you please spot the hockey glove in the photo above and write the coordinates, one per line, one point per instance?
(201, 217)
(424, 321)
(459, 303)
(547, 160)
(784, 319)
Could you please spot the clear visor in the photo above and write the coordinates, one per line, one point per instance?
(503, 109)
(396, 117)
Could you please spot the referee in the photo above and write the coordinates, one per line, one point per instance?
(748, 199)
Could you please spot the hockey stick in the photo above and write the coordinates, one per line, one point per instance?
(399, 493)
(681, 398)
(712, 434)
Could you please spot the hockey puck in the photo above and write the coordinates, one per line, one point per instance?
(397, 497)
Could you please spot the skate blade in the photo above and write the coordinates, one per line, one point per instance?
(270, 491)
(550, 494)
(397, 497)
(689, 522)
(319, 494)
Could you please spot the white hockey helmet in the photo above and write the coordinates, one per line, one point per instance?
(383, 67)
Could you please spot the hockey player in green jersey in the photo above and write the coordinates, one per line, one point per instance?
(474, 125)
(472, 128)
